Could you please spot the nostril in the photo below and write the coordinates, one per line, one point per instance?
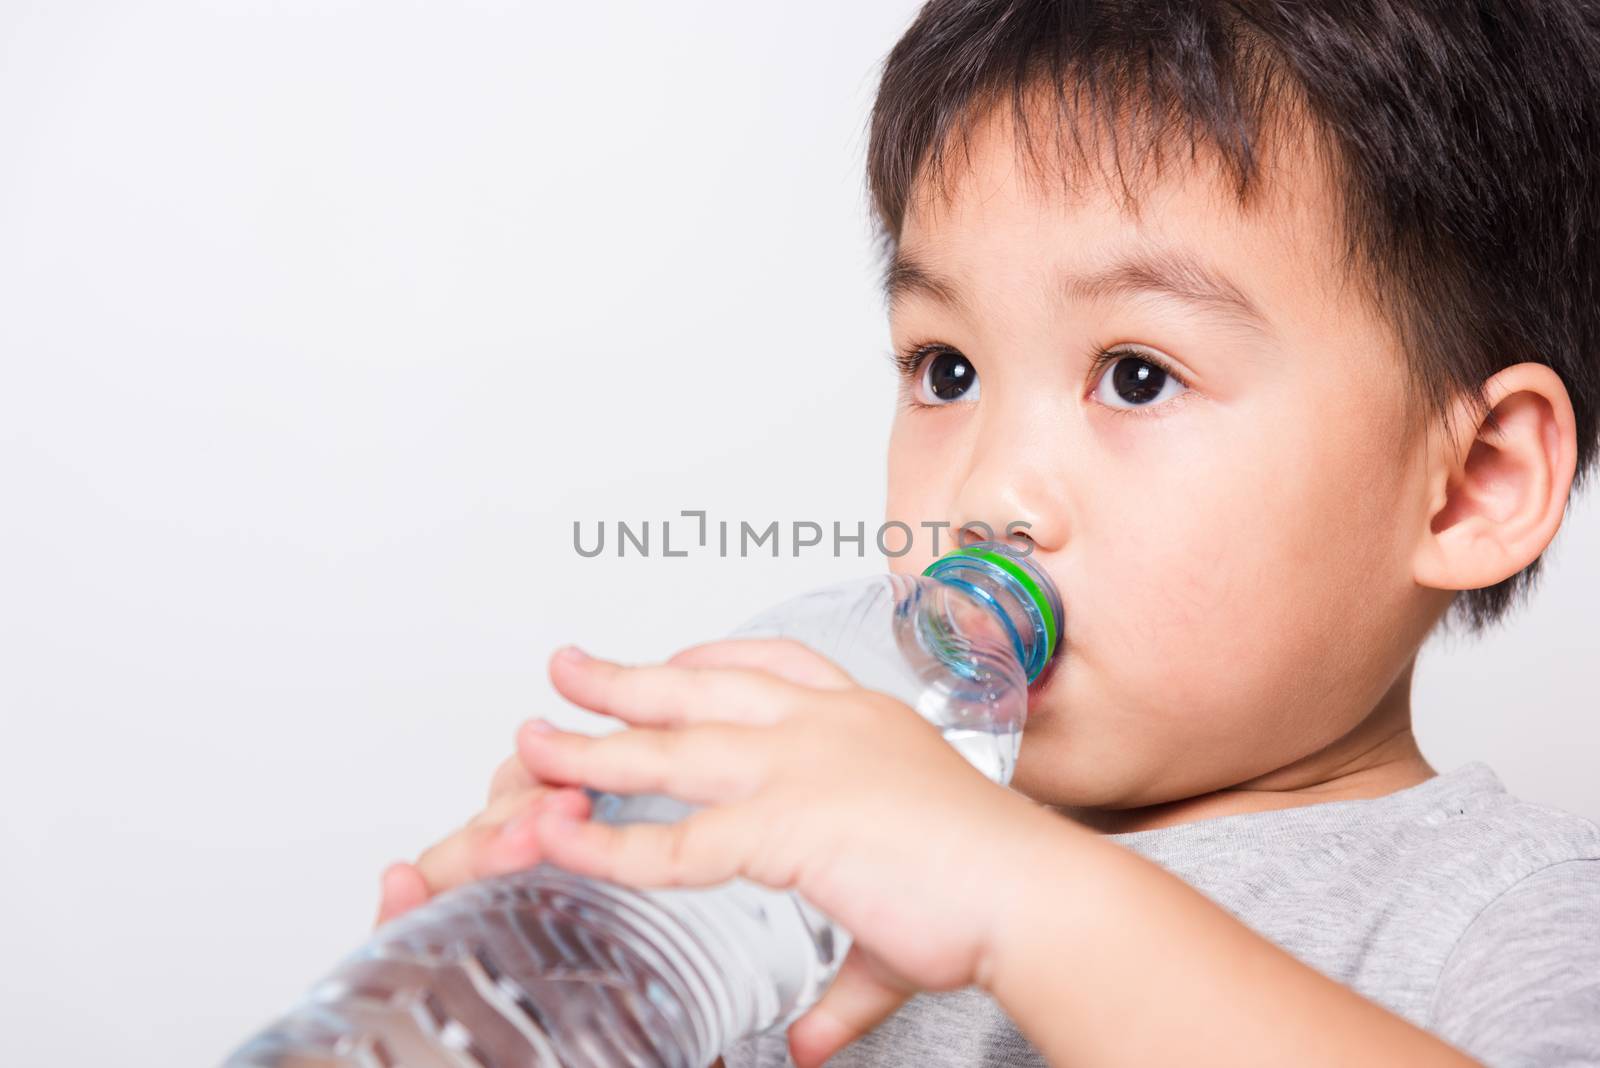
(1020, 539)
(975, 531)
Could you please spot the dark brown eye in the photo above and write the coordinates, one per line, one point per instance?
(948, 377)
(1132, 382)
(1137, 382)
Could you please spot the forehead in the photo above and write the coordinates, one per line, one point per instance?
(1012, 211)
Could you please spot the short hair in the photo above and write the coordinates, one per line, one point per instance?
(1463, 137)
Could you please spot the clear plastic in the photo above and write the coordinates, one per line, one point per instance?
(545, 969)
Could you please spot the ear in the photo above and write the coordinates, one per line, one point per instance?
(1497, 493)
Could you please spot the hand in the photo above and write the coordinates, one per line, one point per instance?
(810, 783)
(498, 840)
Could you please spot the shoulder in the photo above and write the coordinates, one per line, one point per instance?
(1466, 828)
(1536, 870)
(1475, 844)
(1507, 839)
(1522, 982)
(1442, 849)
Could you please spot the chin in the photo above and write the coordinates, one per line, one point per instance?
(1052, 770)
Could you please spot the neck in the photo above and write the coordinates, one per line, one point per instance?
(1377, 757)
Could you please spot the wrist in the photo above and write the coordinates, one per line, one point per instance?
(1039, 878)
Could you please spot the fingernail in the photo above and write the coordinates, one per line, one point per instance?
(571, 654)
(541, 726)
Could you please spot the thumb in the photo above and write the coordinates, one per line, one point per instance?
(862, 996)
(402, 888)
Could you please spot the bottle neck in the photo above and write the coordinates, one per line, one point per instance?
(1015, 590)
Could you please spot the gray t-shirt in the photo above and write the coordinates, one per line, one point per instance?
(1469, 912)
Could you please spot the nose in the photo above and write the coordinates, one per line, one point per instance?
(1014, 491)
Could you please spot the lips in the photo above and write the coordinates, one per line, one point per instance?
(1042, 683)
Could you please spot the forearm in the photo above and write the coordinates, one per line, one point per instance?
(1107, 959)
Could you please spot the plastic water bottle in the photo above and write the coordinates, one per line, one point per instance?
(545, 969)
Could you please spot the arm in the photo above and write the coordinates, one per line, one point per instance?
(1108, 959)
(1100, 956)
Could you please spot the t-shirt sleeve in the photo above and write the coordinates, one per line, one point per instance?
(1522, 985)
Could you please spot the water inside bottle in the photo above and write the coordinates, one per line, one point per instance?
(993, 753)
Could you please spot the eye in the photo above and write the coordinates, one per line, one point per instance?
(943, 376)
(1132, 379)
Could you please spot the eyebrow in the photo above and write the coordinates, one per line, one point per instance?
(1169, 274)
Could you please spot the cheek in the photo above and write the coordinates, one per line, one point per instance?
(1208, 591)
(1166, 579)
(1178, 521)
(1284, 509)
(1340, 486)
(918, 473)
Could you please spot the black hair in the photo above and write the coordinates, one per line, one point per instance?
(1463, 136)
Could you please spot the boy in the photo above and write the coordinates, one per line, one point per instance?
(1279, 327)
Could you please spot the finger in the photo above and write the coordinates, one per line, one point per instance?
(862, 997)
(516, 847)
(785, 657)
(706, 847)
(508, 806)
(509, 778)
(663, 695)
(402, 888)
(457, 859)
(703, 764)
(477, 852)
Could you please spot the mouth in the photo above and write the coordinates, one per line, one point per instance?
(1048, 675)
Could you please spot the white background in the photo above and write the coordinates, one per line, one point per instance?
(320, 325)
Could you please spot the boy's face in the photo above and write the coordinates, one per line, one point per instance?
(1232, 536)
